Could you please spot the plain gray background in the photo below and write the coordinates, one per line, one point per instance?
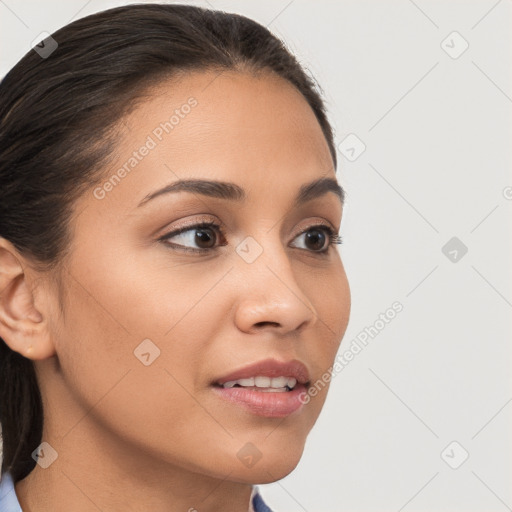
(434, 119)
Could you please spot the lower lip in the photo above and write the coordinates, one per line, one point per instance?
(265, 403)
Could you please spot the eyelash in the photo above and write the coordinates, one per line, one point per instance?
(334, 238)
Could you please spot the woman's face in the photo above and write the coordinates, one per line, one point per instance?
(149, 326)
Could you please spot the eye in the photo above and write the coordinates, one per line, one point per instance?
(320, 238)
(204, 235)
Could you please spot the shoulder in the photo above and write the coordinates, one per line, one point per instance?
(8, 499)
(257, 502)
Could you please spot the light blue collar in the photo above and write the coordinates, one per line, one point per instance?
(8, 499)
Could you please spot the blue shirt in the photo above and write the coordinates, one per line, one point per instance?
(9, 501)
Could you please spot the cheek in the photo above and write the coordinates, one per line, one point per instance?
(133, 343)
(128, 314)
(330, 296)
(143, 292)
(329, 292)
(149, 406)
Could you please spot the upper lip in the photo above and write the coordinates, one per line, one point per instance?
(269, 368)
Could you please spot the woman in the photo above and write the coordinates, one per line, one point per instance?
(170, 287)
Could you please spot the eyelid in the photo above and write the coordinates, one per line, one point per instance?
(183, 226)
(316, 223)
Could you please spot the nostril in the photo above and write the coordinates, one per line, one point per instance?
(262, 324)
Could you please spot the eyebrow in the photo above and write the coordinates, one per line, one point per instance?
(233, 192)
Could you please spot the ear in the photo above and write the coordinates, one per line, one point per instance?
(23, 326)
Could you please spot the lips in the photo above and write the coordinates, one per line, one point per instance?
(269, 368)
(258, 400)
(260, 403)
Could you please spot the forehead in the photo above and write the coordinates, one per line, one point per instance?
(232, 110)
(256, 130)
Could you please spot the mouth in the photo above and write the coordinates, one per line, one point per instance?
(262, 383)
(268, 388)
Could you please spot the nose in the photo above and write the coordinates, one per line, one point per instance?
(269, 296)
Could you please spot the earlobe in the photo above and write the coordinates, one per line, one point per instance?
(22, 326)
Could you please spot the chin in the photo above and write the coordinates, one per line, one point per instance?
(270, 468)
(274, 473)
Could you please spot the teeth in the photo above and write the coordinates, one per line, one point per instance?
(266, 383)
(263, 382)
(278, 382)
(246, 382)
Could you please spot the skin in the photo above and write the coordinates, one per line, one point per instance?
(135, 437)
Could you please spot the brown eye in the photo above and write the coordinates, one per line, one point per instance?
(319, 238)
(315, 239)
(195, 238)
(205, 237)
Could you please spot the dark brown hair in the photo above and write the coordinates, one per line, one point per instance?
(57, 116)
